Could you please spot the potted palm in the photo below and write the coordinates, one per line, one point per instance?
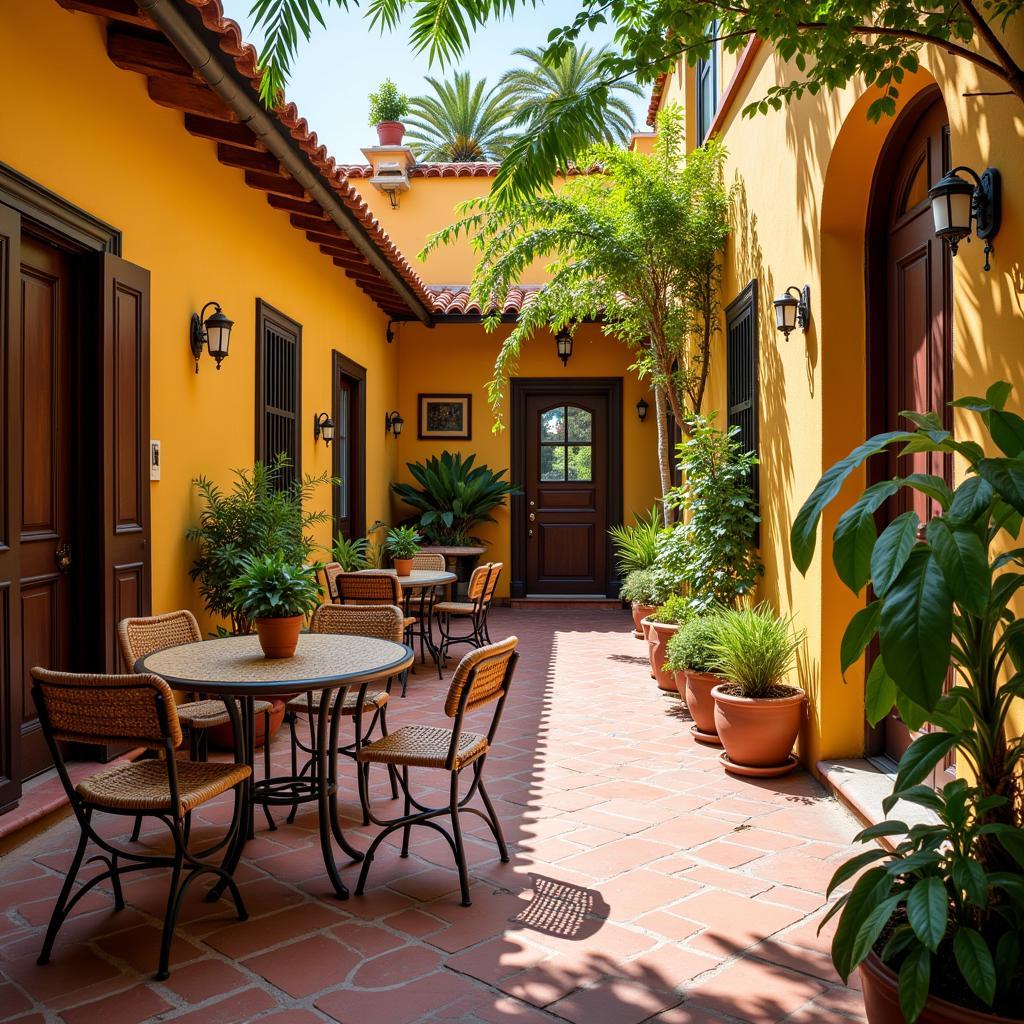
(276, 595)
(757, 714)
(691, 660)
(387, 108)
(636, 548)
(935, 923)
(661, 624)
(402, 543)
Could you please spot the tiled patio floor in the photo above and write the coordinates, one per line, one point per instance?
(645, 884)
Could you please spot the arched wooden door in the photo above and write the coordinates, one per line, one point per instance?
(910, 351)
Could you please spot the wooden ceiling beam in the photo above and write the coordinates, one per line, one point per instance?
(117, 10)
(231, 132)
(147, 52)
(307, 209)
(275, 183)
(339, 241)
(346, 257)
(188, 96)
(247, 159)
(305, 223)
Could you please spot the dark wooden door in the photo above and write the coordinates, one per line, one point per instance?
(566, 448)
(918, 327)
(349, 462)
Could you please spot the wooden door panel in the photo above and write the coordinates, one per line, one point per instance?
(42, 643)
(566, 553)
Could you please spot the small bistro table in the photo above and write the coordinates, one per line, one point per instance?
(235, 669)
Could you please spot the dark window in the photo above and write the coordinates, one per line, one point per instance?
(349, 415)
(741, 370)
(278, 388)
(707, 89)
(566, 437)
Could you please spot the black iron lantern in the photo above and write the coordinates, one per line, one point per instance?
(214, 332)
(393, 421)
(957, 203)
(563, 343)
(641, 409)
(323, 426)
(793, 309)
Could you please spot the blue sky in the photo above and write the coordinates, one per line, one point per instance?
(337, 69)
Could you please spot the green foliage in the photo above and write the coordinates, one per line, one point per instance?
(944, 601)
(636, 546)
(387, 103)
(690, 646)
(755, 649)
(644, 586)
(674, 609)
(402, 542)
(454, 496)
(463, 121)
(351, 553)
(257, 515)
(271, 587)
(711, 550)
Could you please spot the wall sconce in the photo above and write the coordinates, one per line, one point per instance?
(955, 203)
(389, 334)
(563, 343)
(392, 194)
(641, 409)
(214, 332)
(393, 421)
(793, 310)
(323, 426)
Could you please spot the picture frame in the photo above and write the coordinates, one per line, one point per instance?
(444, 417)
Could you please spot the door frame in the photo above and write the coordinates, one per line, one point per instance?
(522, 388)
(342, 366)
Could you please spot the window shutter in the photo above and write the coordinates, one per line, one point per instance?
(741, 371)
(278, 384)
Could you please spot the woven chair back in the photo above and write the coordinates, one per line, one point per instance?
(87, 708)
(431, 561)
(478, 582)
(142, 636)
(332, 570)
(492, 581)
(369, 588)
(484, 672)
(385, 622)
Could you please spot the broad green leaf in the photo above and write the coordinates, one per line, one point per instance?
(879, 692)
(969, 877)
(1005, 518)
(914, 982)
(1006, 477)
(855, 534)
(997, 393)
(1007, 960)
(934, 486)
(923, 796)
(919, 860)
(927, 421)
(859, 633)
(964, 563)
(1007, 431)
(880, 829)
(850, 867)
(871, 928)
(871, 887)
(928, 911)
(912, 714)
(915, 629)
(892, 550)
(951, 713)
(1011, 883)
(901, 938)
(970, 500)
(921, 757)
(1012, 840)
(974, 959)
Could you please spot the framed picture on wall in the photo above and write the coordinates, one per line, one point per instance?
(445, 417)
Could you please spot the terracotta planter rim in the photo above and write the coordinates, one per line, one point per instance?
(704, 673)
(654, 624)
(719, 694)
(277, 618)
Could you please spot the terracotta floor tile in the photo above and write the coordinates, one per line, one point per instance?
(306, 966)
(131, 1007)
(755, 992)
(613, 1001)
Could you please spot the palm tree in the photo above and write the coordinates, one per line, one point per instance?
(462, 122)
(578, 70)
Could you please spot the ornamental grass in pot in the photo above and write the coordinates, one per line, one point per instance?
(757, 714)
(402, 544)
(691, 660)
(935, 924)
(636, 548)
(662, 623)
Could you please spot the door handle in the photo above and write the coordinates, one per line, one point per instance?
(63, 557)
(533, 516)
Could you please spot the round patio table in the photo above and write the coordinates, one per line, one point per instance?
(235, 669)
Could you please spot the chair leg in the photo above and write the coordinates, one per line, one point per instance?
(115, 881)
(405, 681)
(136, 828)
(391, 768)
(407, 810)
(460, 850)
(271, 824)
(495, 823)
(171, 912)
(59, 909)
(292, 718)
(186, 830)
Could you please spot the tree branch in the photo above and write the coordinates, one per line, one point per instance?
(1014, 74)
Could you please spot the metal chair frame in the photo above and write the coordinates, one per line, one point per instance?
(479, 635)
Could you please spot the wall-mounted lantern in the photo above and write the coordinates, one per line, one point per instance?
(956, 203)
(214, 332)
(323, 426)
(641, 409)
(563, 344)
(389, 334)
(793, 309)
(393, 422)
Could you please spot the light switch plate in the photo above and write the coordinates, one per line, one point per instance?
(154, 460)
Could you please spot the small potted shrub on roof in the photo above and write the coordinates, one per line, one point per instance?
(402, 544)
(276, 595)
(636, 548)
(691, 660)
(387, 108)
(662, 623)
(757, 714)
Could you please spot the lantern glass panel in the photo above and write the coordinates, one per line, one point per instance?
(785, 313)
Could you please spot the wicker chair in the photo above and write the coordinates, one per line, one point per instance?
(331, 572)
(386, 622)
(138, 709)
(376, 588)
(430, 561)
(479, 596)
(482, 678)
(421, 602)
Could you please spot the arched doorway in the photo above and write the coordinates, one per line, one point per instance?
(910, 323)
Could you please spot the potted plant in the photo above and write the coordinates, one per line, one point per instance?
(402, 543)
(757, 715)
(691, 660)
(387, 108)
(638, 590)
(351, 553)
(276, 595)
(661, 624)
(936, 923)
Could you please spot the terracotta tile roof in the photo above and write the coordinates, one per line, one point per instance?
(454, 300)
(443, 170)
(655, 104)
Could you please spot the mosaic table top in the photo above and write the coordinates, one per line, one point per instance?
(420, 577)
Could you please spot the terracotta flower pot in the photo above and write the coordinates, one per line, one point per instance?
(279, 637)
(696, 691)
(758, 735)
(882, 1004)
(390, 133)
(222, 737)
(657, 641)
(403, 566)
(640, 612)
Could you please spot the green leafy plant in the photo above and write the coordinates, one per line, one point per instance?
(643, 586)
(755, 650)
(636, 546)
(674, 610)
(387, 103)
(710, 551)
(258, 514)
(271, 587)
(454, 496)
(351, 553)
(946, 909)
(402, 542)
(690, 647)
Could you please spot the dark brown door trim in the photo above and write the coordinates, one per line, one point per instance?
(342, 366)
(267, 315)
(522, 388)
